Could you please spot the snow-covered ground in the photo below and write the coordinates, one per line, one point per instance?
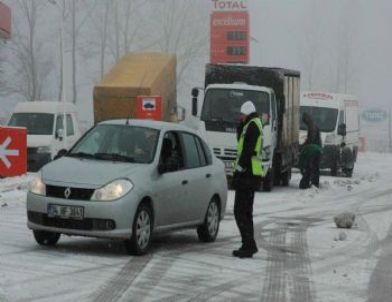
(301, 255)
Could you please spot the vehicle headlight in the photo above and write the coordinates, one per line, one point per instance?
(43, 149)
(37, 186)
(329, 139)
(266, 153)
(113, 190)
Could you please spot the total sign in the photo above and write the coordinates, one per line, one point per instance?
(13, 151)
(229, 5)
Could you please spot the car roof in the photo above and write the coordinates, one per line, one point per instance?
(158, 125)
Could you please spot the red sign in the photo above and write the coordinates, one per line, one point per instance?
(5, 21)
(229, 38)
(149, 108)
(13, 151)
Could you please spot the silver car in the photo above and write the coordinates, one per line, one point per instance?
(126, 179)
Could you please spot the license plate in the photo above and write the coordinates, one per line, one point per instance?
(66, 212)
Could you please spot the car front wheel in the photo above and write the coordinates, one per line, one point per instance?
(141, 232)
(46, 238)
(208, 231)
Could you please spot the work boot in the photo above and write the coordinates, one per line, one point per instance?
(245, 252)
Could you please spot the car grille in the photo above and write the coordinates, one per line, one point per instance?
(75, 193)
(90, 224)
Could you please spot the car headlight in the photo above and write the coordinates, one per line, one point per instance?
(37, 186)
(113, 190)
(43, 149)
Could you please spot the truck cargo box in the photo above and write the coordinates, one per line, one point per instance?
(133, 75)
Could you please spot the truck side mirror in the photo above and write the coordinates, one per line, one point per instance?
(342, 129)
(60, 134)
(195, 94)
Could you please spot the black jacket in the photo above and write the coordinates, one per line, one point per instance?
(246, 180)
(313, 135)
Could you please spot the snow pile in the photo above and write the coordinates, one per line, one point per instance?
(345, 220)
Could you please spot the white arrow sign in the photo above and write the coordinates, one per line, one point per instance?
(4, 152)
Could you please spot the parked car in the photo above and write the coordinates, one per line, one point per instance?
(51, 126)
(127, 179)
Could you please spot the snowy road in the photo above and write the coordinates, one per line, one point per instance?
(300, 255)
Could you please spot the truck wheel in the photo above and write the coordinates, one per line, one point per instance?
(46, 238)
(334, 169)
(348, 172)
(141, 231)
(268, 181)
(286, 177)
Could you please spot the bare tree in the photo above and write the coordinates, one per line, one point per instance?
(182, 28)
(28, 68)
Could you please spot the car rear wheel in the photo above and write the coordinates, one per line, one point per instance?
(46, 238)
(208, 231)
(141, 232)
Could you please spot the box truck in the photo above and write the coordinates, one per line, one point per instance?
(337, 117)
(275, 93)
(136, 77)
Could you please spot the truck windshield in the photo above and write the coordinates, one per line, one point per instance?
(223, 105)
(325, 118)
(36, 123)
(118, 143)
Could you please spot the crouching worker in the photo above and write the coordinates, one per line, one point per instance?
(247, 176)
(309, 159)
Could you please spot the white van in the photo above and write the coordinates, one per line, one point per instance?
(45, 125)
(337, 117)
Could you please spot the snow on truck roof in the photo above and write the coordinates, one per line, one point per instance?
(44, 107)
(328, 99)
(240, 86)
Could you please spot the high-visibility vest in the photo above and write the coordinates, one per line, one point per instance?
(257, 164)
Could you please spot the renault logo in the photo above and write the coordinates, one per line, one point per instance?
(67, 192)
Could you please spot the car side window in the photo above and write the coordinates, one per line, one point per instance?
(171, 153)
(190, 151)
(341, 117)
(202, 156)
(207, 152)
(70, 126)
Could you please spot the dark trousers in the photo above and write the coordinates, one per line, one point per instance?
(243, 213)
(311, 173)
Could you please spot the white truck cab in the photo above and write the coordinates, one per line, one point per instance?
(220, 115)
(337, 117)
(51, 126)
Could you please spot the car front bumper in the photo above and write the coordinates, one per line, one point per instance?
(105, 219)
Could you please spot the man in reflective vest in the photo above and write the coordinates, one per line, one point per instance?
(247, 176)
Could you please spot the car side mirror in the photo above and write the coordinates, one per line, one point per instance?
(195, 94)
(60, 134)
(342, 129)
(61, 153)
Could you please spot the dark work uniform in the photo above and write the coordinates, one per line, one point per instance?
(245, 184)
(311, 167)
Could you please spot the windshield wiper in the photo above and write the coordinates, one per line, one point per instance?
(81, 154)
(114, 157)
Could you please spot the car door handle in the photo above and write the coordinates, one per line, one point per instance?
(184, 182)
(208, 175)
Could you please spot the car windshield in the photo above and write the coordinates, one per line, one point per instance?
(223, 105)
(36, 123)
(325, 118)
(118, 143)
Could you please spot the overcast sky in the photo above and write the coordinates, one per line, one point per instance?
(338, 45)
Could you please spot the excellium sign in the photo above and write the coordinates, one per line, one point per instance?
(229, 5)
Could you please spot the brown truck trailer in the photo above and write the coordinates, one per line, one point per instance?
(136, 74)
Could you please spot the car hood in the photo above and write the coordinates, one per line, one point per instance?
(76, 172)
(38, 140)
